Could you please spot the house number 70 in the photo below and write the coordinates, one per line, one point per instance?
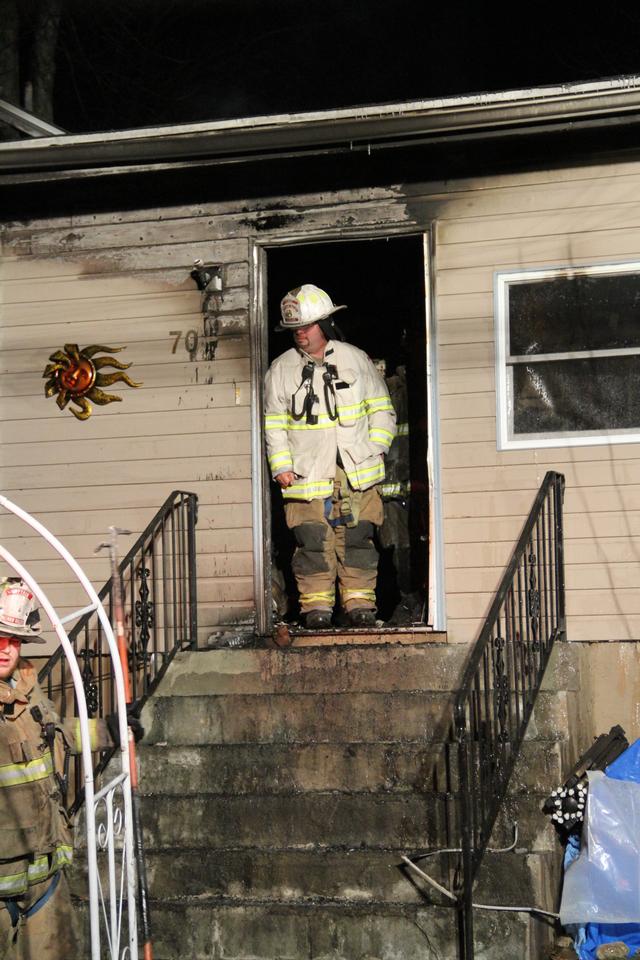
(191, 340)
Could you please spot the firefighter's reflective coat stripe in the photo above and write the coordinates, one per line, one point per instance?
(397, 483)
(381, 436)
(280, 461)
(361, 478)
(395, 490)
(37, 870)
(359, 428)
(318, 490)
(12, 774)
(95, 739)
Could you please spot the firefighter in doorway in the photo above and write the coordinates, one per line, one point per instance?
(394, 534)
(329, 423)
(36, 915)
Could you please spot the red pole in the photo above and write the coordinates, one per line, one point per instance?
(123, 651)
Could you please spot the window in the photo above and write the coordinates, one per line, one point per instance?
(568, 356)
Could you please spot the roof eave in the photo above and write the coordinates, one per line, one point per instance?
(395, 124)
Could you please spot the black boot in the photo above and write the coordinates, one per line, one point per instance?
(408, 611)
(362, 617)
(318, 620)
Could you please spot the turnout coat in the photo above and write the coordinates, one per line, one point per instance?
(35, 835)
(351, 417)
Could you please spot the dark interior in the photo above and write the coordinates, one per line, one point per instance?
(382, 283)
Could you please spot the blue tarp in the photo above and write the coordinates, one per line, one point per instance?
(588, 937)
(627, 765)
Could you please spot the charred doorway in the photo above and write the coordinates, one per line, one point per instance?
(382, 282)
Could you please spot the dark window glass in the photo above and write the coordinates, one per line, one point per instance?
(574, 313)
(591, 394)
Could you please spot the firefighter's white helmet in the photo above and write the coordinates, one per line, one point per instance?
(19, 614)
(304, 305)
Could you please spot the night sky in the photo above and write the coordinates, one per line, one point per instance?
(147, 62)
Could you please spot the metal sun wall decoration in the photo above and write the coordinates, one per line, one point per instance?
(73, 376)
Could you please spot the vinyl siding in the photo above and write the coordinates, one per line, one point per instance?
(579, 216)
(186, 428)
(122, 278)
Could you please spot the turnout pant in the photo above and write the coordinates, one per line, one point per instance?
(344, 551)
(394, 535)
(48, 934)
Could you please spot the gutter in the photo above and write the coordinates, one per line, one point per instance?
(344, 129)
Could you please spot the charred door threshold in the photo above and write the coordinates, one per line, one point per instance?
(362, 637)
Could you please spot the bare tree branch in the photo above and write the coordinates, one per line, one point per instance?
(43, 62)
(9, 52)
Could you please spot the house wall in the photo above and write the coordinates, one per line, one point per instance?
(119, 283)
(587, 215)
(123, 279)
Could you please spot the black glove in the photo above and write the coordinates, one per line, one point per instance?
(133, 723)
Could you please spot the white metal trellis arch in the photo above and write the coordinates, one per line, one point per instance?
(110, 902)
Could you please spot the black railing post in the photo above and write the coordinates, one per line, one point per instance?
(559, 503)
(466, 812)
(193, 579)
(160, 607)
(501, 682)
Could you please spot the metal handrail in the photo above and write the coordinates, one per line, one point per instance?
(158, 576)
(502, 679)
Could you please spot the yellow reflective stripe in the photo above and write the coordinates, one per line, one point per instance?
(347, 419)
(325, 596)
(324, 423)
(12, 774)
(395, 489)
(93, 734)
(280, 459)
(312, 490)
(370, 473)
(381, 436)
(402, 430)
(37, 871)
(377, 404)
(352, 411)
(359, 595)
(275, 421)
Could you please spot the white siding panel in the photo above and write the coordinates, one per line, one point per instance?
(520, 221)
(187, 427)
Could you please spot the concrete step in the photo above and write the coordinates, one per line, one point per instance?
(266, 768)
(283, 768)
(304, 821)
(197, 929)
(284, 718)
(350, 717)
(352, 876)
(330, 820)
(432, 666)
(340, 886)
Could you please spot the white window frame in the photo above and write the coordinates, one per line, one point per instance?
(506, 440)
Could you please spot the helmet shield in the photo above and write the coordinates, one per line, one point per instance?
(304, 305)
(19, 614)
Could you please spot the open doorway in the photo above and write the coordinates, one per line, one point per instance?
(382, 282)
